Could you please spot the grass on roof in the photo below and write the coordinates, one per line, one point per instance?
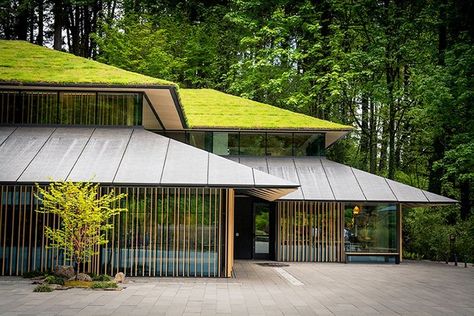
(23, 62)
(206, 108)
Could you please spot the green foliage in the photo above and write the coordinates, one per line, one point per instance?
(104, 285)
(211, 108)
(101, 277)
(52, 279)
(34, 274)
(43, 288)
(84, 217)
(27, 63)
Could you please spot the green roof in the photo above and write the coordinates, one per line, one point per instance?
(23, 62)
(207, 108)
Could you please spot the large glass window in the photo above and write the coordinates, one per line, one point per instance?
(279, 144)
(371, 228)
(70, 108)
(306, 144)
(252, 144)
(225, 143)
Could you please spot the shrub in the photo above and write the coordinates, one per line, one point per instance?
(104, 285)
(102, 277)
(33, 274)
(52, 279)
(43, 288)
(82, 284)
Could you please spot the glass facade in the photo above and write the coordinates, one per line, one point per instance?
(165, 232)
(70, 108)
(254, 144)
(310, 231)
(370, 229)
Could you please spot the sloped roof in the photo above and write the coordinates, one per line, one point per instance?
(325, 180)
(207, 108)
(23, 62)
(123, 156)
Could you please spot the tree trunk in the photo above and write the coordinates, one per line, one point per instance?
(465, 200)
(21, 20)
(40, 36)
(58, 24)
(365, 135)
(372, 139)
(383, 149)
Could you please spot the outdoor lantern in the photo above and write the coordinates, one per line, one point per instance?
(356, 210)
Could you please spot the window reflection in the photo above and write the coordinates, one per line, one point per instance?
(309, 144)
(279, 144)
(225, 143)
(252, 144)
(70, 108)
(371, 228)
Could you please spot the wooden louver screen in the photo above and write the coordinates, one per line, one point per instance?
(166, 232)
(310, 231)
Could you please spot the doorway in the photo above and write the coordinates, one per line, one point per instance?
(254, 229)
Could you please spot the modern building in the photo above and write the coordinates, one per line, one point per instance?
(209, 177)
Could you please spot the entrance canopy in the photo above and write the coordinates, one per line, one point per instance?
(325, 180)
(123, 156)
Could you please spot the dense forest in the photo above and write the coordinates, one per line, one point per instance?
(401, 72)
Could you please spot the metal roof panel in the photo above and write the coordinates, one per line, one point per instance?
(57, 157)
(101, 156)
(144, 158)
(19, 149)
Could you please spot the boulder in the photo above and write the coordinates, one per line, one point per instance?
(64, 271)
(120, 277)
(81, 277)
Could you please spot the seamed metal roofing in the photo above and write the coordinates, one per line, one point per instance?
(325, 180)
(123, 156)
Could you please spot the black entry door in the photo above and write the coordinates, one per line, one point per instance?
(243, 228)
(253, 228)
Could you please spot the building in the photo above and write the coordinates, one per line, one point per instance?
(210, 177)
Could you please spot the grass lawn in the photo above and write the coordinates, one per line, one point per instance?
(23, 62)
(207, 108)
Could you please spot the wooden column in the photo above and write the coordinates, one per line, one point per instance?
(399, 232)
(230, 232)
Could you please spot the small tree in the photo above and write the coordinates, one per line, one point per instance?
(83, 216)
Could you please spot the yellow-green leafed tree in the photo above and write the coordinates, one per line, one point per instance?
(83, 216)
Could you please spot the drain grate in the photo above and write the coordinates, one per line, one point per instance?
(273, 264)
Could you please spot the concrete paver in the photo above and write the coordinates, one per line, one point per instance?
(411, 288)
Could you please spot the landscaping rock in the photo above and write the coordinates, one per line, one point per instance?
(81, 277)
(120, 277)
(64, 271)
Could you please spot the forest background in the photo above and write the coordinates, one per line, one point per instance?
(401, 72)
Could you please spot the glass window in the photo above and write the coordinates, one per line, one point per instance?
(179, 136)
(198, 139)
(252, 144)
(72, 108)
(307, 144)
(225, 143)
(371, 228)
(279, 144)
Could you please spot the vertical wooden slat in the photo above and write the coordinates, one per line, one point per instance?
(12, 229)
(209, 234)
(167, 229)
(176, 232)
(219, 234)
(4, 195)
(137, 230)
(230, 245)
(400, 232)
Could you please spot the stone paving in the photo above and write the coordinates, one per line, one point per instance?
(328, 289)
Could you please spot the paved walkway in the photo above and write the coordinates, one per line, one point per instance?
(300, 289)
